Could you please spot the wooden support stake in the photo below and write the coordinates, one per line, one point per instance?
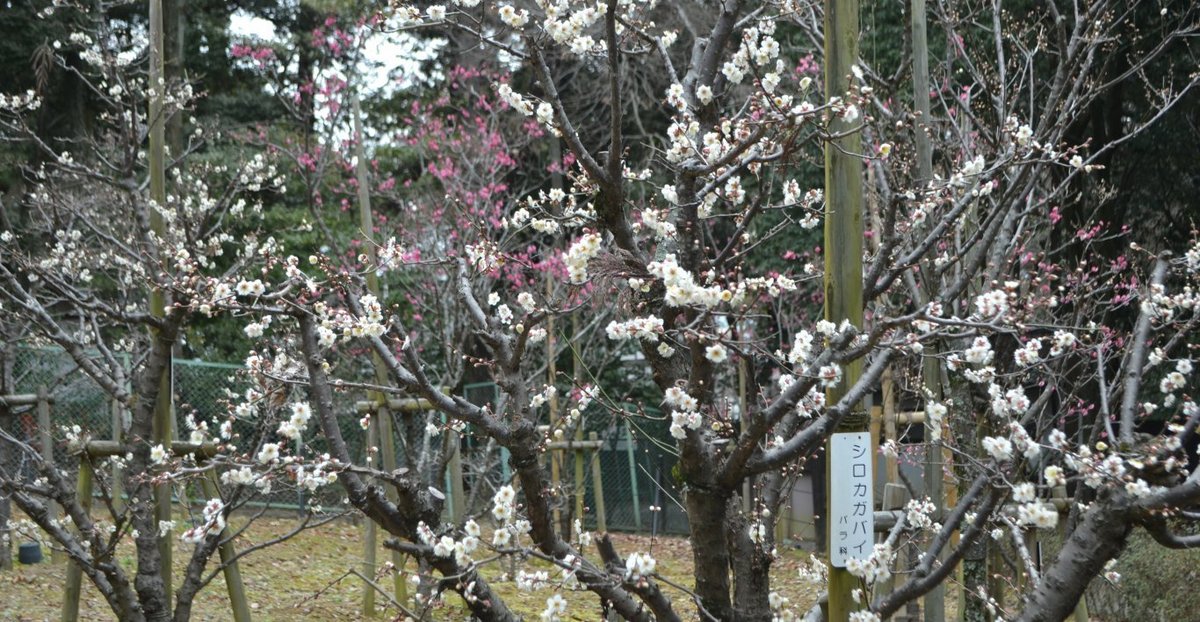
(551, 377)
(74, 586)
(118, 474)
(156, 153)
(598, 484)
(580, 457)
(369, 537)
(633, 479)
(233, 574)
(46, 442)
(458, 510)
(387, 447)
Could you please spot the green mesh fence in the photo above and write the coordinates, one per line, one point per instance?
(640, 492)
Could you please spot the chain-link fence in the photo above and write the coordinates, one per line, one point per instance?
(639, 489)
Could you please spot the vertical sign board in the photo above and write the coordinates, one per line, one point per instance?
(852, 498)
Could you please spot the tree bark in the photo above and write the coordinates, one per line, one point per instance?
(751, 567)
(707, 510)
(1100, 536)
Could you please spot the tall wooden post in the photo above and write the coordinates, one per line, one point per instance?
(381, 416)
(551, 376)
(843, 249)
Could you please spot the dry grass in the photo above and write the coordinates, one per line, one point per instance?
(296, 580)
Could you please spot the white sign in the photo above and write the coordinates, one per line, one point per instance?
(851, 498)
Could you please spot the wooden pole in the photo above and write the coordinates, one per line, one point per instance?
(551, 376)
(74, 586)
(46, 442)
(118, 474)
(633, 479)
(577, 373)
(369, 536)
(381, 417)
(458, 493)
(598, 485)
(843, 249)
(748, 485)
(162, 432)
(229, 566)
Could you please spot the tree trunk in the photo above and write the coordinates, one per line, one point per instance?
(1100, 536)
(751, 568)
(707, 511)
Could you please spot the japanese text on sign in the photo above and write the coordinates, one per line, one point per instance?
(851, 503)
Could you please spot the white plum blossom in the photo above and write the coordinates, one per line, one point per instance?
(268, 453)
(1054, 476)
(643, 328)
(874, 568)
(1037, 514)
(980, 352)
(1029, 354)
(1024, 492)
(578, 255)
(998, 448)
(639, 565)
(830, 376)
(513, 17)
(935, 414)
(716, 353)
(991, 304)
(556, 607)
(525, 299)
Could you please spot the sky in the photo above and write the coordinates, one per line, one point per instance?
(385, 53)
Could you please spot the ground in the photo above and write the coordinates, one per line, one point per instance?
(297, 580)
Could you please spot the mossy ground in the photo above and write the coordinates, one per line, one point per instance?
(297, 580)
